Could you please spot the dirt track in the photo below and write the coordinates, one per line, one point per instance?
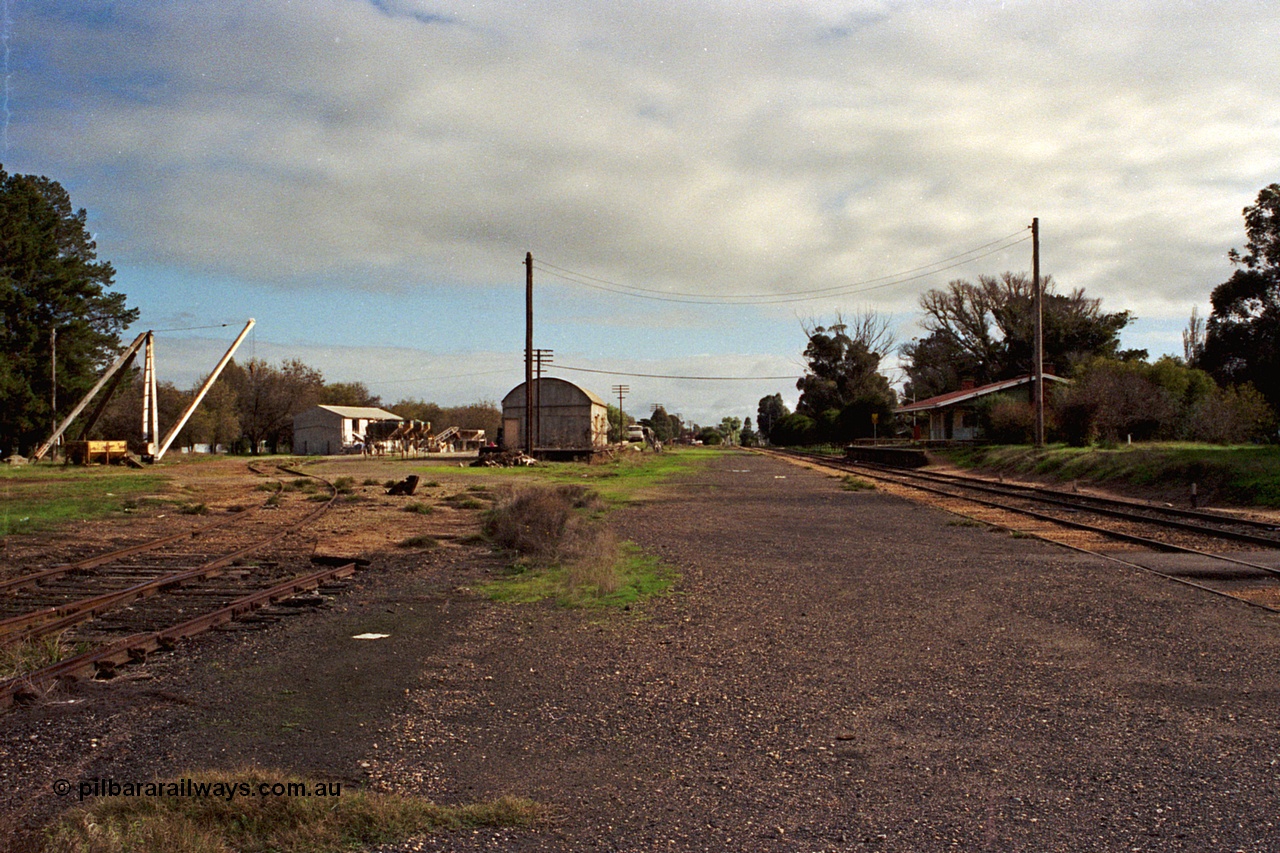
(840, 670)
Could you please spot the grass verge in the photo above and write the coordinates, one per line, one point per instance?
(563, 551)
(1246, 475)
(38, 498)
(629, 579)
(237, 816)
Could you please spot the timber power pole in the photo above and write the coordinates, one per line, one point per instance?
(1037, 367)
(528, 353)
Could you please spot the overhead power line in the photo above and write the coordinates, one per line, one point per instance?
(862, 286)
(668, 376)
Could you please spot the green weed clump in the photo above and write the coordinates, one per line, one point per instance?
(856, 484)
(565, 552)
(334, 817)
(420, 508)
(345, 485)
(20, 658)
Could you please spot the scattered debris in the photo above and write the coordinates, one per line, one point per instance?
(370, 636)
(15, 459)
(507, 459)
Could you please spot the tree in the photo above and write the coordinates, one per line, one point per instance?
(348, 394)
(216, 421)
(268, 398)
(483, 415)
(419, 410)
(748, 436)
(50, 283)
(844, 360)
(843, 387)
(1113, 399)
(1242, 336)
(665, 426)
(793, 429)
(984, 332)
(769, 411)
(709, 436)
(1193, 338)
(730, 429)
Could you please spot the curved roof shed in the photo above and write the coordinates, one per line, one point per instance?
(565, 416)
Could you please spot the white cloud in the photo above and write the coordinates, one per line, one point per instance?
(708, 147)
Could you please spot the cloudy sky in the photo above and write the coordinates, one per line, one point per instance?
(695, 180)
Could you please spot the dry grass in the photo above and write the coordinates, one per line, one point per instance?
(531, 522)
(238, 817)
(565, 551)
(34, 653)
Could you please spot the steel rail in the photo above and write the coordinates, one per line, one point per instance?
(1136, 505)
(844, 465)
(51, 619)
(24, 581)
(1137, 512)
(137, 646)
(1076, 502)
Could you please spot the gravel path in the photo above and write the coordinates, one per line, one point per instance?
(847, 670)
(837, 671)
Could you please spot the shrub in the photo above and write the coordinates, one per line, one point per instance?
(1008, 421)
(1233, 415)
(541, 525)
(530, 522)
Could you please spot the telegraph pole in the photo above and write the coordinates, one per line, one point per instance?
(621, 391)
(528, 353)
(540, 357)
(1037, 367)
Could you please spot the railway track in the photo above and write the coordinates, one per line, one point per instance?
(1226, 555)
(116, 607)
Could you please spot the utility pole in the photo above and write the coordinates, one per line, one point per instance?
(1037, 367)
(540, 357)
(621, 391)
(528, 353)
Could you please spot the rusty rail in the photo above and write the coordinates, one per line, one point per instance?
(136, 647)
(52, 619)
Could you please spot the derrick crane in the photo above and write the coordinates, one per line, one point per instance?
(152, 450)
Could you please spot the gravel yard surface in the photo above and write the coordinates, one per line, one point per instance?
(837, 670)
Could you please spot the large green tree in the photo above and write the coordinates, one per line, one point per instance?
(983, 333)
(1242, 341)
(769, 411)
(51, 282)
(843, 385)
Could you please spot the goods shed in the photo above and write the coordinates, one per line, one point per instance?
(954, 416)
(323, 430)
(564, 417)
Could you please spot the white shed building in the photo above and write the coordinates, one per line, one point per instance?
(565, 416)
(324, 430)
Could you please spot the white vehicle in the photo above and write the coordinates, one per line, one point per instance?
(635, 432)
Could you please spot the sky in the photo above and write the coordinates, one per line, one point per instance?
(697, 181)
